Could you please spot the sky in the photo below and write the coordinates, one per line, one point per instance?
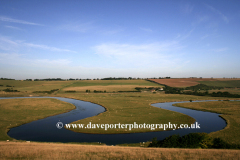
(119, 38)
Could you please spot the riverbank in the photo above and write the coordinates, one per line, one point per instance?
(229, 110)
(15, 112)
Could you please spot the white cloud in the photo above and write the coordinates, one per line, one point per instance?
(11, 20)
(9, 45)
(187, 8)
(7, 40)
(139, 55)
(205, 36)
(77, 27)
(146, 29)
(220, 49)
(181, 37)
(55, 62)
(16, 28)
(21, 60)
(200, 19)
(45, 47)
(111, 32)
(225, 18)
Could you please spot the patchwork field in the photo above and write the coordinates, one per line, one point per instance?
(226, 83)
(27, 88)
(186, 82)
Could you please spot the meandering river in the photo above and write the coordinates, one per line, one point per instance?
(45, 130)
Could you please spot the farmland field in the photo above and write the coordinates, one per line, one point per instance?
(109, 85)
(232, 83)
(123, 107)
(186, 82)
(30, 86)
(230, 90)
(181, 82)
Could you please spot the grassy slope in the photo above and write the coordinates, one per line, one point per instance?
(14, 112)
(231, 83)
(13, 150)
(230, 112)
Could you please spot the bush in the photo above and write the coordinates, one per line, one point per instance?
(219, 143)
(192, 140)
(10, 90)
(70, 91)
(48, 92)
(171, 142)
(196, 140)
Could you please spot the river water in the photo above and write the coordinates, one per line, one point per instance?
(45, 130)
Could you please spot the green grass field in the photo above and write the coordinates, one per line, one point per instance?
(231, 83)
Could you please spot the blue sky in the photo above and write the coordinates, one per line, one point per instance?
(119, 38)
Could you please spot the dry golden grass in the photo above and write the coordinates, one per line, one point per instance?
(33, 150)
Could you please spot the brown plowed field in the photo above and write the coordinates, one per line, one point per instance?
(182, 82)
